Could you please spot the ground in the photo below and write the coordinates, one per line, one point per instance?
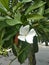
(42, 57)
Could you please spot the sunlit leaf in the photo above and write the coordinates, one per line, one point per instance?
(14, 21)
(2, 8)
(5, 3)
(26, 0)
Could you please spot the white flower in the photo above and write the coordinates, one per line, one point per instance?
(9, 50)
(26, 35)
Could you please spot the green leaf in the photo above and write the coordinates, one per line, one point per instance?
(7, 44)
(23, 54)
(34, 6)
(5, 3)
(46, 30)
(26, 1)
(10, 32)
(15, 49)
(41, 10)
(14, 21)
(2, 8)
(34, 17)
(3, 24)
(2, 32)
(47, 11)
(47, 2)
(35, 44)
(17, 6)
(2, 18)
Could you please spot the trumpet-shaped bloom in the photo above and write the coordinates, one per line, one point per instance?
(26, 35)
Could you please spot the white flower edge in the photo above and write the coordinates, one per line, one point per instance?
(26, 35)
(8, 50)
(30, 36)
(24, 30)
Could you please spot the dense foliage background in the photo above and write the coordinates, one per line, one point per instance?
(13, 14)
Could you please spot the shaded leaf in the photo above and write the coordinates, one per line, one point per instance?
(35, 44)
(23, 54)
(10, 32)
(34, 6)
(47, 11)
(3, 24)
(34, 17)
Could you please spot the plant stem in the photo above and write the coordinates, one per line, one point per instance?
(31, 58)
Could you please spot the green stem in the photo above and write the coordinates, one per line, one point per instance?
(31, 58)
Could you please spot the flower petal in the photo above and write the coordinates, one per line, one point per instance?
(20, 32)
(29, 37)
(22, 38)
(24, 30)
(9, 50)
(32, 32)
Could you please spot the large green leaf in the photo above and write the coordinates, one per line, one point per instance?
(2, 18)
(34, 17)
(34, 6)
(13, 22)
(2, 8)
(24, 54)
(16, 20)
(5, 3)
